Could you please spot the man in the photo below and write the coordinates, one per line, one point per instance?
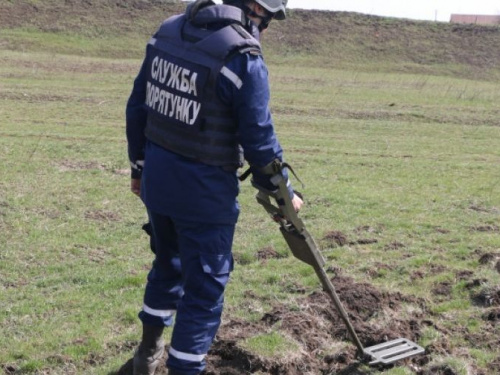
(201, 97)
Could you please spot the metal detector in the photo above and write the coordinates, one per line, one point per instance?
(304, 248)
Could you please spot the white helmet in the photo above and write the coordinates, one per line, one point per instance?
(275, 7)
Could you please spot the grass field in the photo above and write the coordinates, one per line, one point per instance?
(404, 166)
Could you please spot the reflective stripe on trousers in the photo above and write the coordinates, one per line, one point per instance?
(189, 275)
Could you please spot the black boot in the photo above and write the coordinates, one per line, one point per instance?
(148, 355)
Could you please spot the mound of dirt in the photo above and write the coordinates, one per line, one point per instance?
(443, 290)
(324, 342)
(268, 252)
(317, 326)
(487, 297)
(440, 370)
(492, 316)
(335, 238)
(495, 366)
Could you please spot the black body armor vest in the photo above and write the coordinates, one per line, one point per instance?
(185, 57)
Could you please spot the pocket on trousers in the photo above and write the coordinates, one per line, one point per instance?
(217, 264)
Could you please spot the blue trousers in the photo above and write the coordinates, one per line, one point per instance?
(192, 265)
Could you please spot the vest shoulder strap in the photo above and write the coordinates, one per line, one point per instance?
(225, 41)
(204, 15)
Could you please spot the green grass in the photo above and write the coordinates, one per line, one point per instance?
(413, 157)
(100, 44)
(271, 346)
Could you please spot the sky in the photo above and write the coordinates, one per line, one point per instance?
(433, 10)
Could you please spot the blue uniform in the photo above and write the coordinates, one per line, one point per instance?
(193, 209)
(171, 184)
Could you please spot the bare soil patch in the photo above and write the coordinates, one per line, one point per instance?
(433, 269)
(492, 259)
(479, 208)
(485, 228)
(488, 258)
(364, 241)
(335, 238)
(487, 297)
(464, 275)
(73, 165)
(267, 252)
(439, 370)
(492, 316)
(395, 245)
(101, 215)
(442, 290)
(494, 366)
(317, 327)
(325, 346)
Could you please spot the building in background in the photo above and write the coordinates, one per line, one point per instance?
(475, 19)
